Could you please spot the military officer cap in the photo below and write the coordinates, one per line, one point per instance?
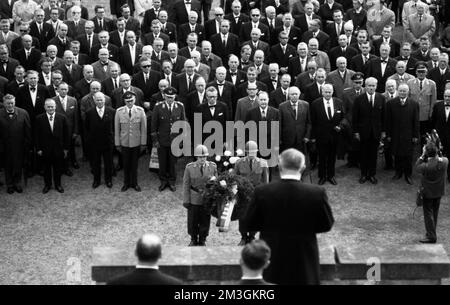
(251, 147)
(128, 95)
(170, 91)
(421, 67)
(357, 76)
(201, 151)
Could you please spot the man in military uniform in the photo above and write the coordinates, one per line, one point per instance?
(164, 115)
(195, 177)
(130, 138)
(257, 171)
(348, 98)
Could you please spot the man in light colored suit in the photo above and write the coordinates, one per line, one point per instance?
(410, 8)
(130, 129)
(210, 59)
(423, 91)
(341, 78)
(6, 36)
(419, 25)
(320, 57)
(200, 68)
(68, 106)
(401, 76)
(246, 103)
(102, 67)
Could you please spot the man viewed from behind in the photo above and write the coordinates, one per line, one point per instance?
(255, 257)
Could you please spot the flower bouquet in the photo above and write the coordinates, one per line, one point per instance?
(227, 198)
(226, 162)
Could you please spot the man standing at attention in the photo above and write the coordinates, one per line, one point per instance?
(291, 232)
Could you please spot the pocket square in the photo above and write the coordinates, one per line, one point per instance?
(220, 114)
(338, 111)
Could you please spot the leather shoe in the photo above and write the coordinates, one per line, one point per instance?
(408, 180)
(18, 189)
(193, 243)
(109, 184)
(427, 241)
(332, 181)
(362, 180)
(202, 243)
(124, 188)
(321, 181)
(75, 165)
(137, 188)
(69, 173)
(10, 190)
(45, 190)
(95, 184)
(373, 180)
(172, 187)
(397, 176)
(163, 186)
(59, 189)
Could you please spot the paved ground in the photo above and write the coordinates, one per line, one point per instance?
(40, 233)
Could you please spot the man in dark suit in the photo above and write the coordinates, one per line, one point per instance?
(295, 256)
(225, 43)
(146, 80)
(158, 53)
(212, 26)
(53, 4)
(168, 73)
(190, 27)
(15, 142)
(236, 18)
(272, 21)
(131, 23)
(298, 64)
(282, 52)
(116, 6)
(402, 131)
(302, 21)
(315, 32)
(226, 91)
(18, 81)
(328, 120)
(255, 257)
(405, 55)
(75, 26)
(82, 87)
(440, 122)
(368, 128)
(6, 9)
(358, 62)
(148, 252)
(280, 94)
(79, 58)
(149, 38)
(185, 81)
(17, 43)
(52, 144)
(101, 23)
(252, 75)
(295, 122)
(117, 37)
(235, 76)
(167, 28)
(71, 72)
(423, 53)
(327, 9)
(61, 41)
(103, 38)
(381, 68)
(149, 16)
(387, 39)
(246, 28)
(28, 56)
(216, 111)
(41, 30)
(194, 99)
(99, 126)
(293, 32)
(313, 90)
(88, 39)
(440, 75)
(335, 28)
(342, 50)
(176, 59)
(7, 64)
(125, 86)
(129, 53)
(179, 12)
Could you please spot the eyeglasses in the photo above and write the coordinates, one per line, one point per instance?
(255, 15)
(146, 66)
(23, 31)
(212, 96)
(219, 14)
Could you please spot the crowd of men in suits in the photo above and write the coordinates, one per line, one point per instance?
(329, 72)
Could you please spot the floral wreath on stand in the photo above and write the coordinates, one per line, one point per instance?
(227, 196)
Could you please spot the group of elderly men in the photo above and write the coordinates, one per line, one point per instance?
(100, 82)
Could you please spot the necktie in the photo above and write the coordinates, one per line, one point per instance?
(420, 85)
(168, 79)
(224, 42)
(40, 28)
(129, 113)
(320, 89)
(76, 24)
(27, 54)
(434, 65)
(420, 18)
(171, 109)
(251, 165)
(294, 107)
(101, 24)
(189, 83)
(330, 116)
(284, 49)
(89, 41)
(115, 83)
(263, 114)
(202, 169)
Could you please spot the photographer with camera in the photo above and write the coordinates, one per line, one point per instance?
(433, 169)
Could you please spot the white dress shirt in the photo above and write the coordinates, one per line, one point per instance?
(327, 104)
(51, 121)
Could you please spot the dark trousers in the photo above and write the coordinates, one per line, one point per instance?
(107, 154)
(198, 221)
(206, 7)
(403, 165)
(166, 164)
(388, 159)
(327, 159)
(369, 153)
(425, 127)
(13, 169)
(53, 164)
(70, 160)
(130, 156)
(446, 152)
(430, 216)
(247, 235)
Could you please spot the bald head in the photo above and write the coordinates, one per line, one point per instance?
(148, 248)
(291, 160)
